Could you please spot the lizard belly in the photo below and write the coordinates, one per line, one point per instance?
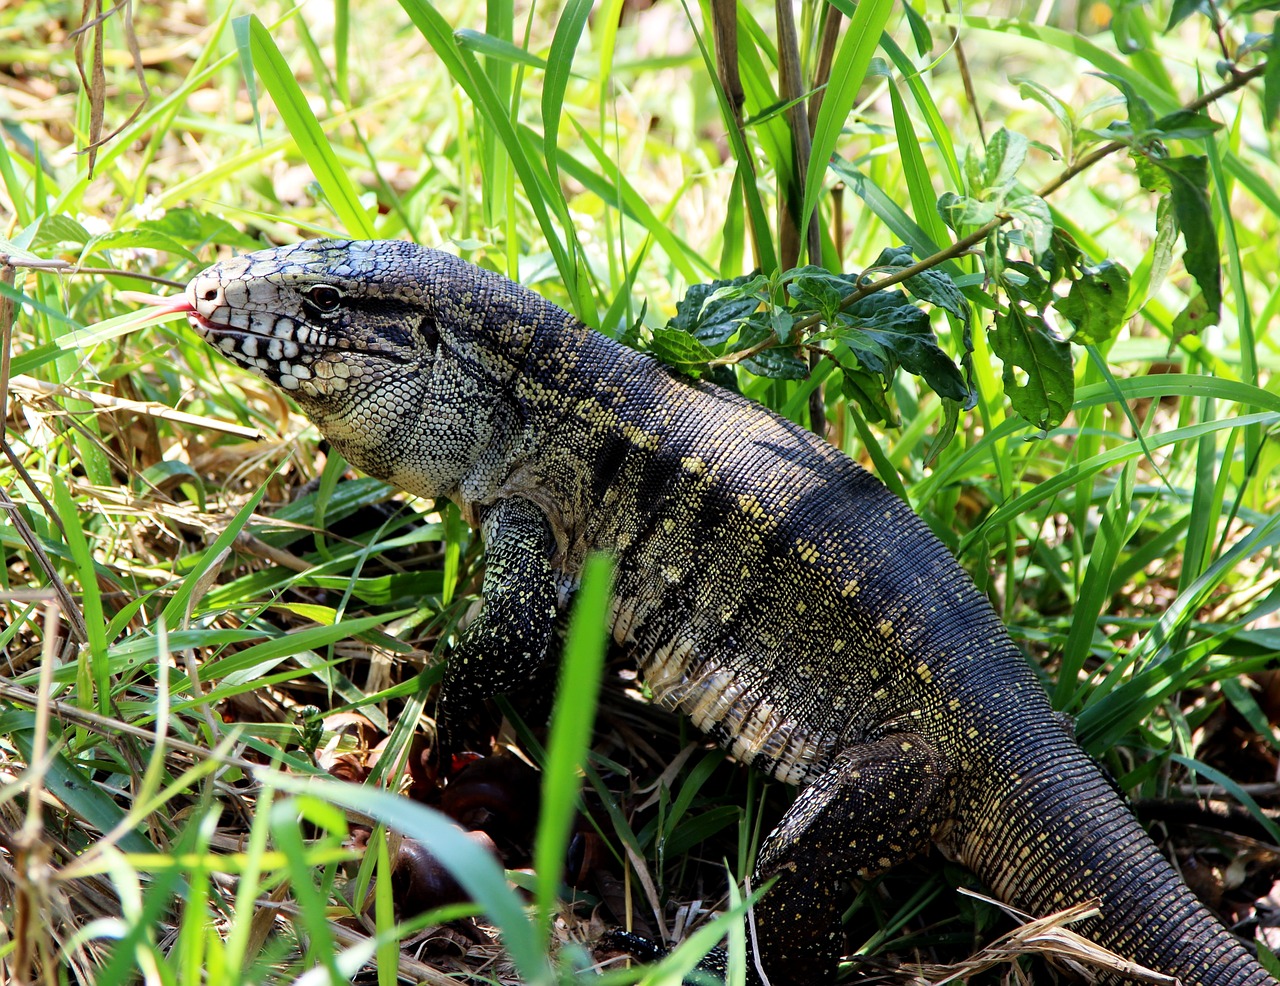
(730, 691)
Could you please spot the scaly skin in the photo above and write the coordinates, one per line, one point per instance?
(768, 587)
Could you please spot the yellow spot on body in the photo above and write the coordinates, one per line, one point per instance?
(923, 671)
(886, 628)
(850, 588)
(807, 550)
(837, 646)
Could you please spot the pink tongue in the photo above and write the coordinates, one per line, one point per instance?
(164, 304)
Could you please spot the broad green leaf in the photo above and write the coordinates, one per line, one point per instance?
(1162, 247)
(872, 356)
(1180, 10)
(1006, 152)
(1097, 302)
(679, 348)
(867, 391)
(1063, 113)
(1141, 117)
(1194, 317)
(780, 363)
(1024, 342)
(1026, 282)
(1033, 217)
(1271, 80)
(137, 239)
(1186, 125)
(934, 285)
(196, 228)
(958, 211)
(711, 313)
(1189, 183)
(820, 291)
(945, 433)
(903, 330)
(56, 229)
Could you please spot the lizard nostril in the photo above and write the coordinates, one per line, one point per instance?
(211, 294)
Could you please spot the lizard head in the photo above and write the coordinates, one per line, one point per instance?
(380, 345)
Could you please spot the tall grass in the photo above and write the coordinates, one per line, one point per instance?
(175, 596)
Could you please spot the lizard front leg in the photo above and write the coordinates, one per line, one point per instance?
(508, 641)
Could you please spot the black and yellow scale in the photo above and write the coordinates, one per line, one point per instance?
(768, 586)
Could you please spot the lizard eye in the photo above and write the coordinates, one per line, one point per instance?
(324, 297)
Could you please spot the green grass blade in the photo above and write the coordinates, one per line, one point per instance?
(474, 869)
(533, 175)
(924, 199)
(1095, 588)
(847, 72)
(498, 49)
(75, 788)
(889, 212)
(91, 596)
(175, 613)
(767, 258)
(306, 131)
(677, 252)
(570, 738)
(1011, 509)
(573, 18)
(1233, 789)
(914, 79)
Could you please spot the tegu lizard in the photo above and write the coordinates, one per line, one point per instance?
(769, 587)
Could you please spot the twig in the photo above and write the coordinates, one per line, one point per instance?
(74, 618)
(6, 344)
(9, 263)
(826, 55)
(966, 78)
(724, 26)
